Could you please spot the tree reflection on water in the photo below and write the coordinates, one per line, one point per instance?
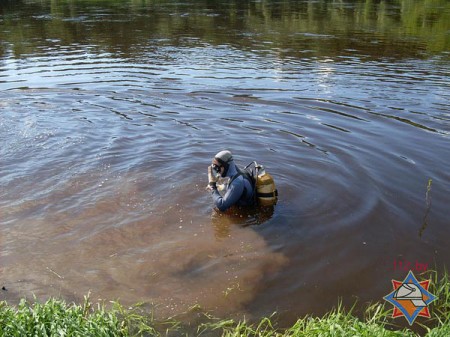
(294, 29)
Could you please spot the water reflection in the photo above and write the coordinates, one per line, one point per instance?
(239, 216)
(292, 29)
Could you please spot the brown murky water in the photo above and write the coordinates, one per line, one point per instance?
(110, 112)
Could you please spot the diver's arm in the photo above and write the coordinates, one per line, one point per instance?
(232, 195)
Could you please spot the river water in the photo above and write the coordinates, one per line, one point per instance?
(110, 113)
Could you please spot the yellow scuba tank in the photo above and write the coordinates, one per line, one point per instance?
(266, 192)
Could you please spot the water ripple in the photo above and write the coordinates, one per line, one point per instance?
(105, 154)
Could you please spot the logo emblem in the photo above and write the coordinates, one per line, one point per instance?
(410, 298)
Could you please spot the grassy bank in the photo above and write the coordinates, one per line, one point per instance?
(57, 318)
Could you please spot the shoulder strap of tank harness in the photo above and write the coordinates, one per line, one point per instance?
(247, 176)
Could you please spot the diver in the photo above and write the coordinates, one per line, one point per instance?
(239, 190)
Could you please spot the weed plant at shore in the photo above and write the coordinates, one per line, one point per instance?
(57, 318)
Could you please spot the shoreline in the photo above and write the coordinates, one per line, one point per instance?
(58, 318)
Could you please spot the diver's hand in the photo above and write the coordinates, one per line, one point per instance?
(211, 177)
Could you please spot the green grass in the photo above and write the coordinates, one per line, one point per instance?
(57, 318)
(338, 322)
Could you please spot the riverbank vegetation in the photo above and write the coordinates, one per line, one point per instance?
(57, 318)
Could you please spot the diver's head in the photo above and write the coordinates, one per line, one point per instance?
(221, 162)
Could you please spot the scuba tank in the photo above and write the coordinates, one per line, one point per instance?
(266, 192)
